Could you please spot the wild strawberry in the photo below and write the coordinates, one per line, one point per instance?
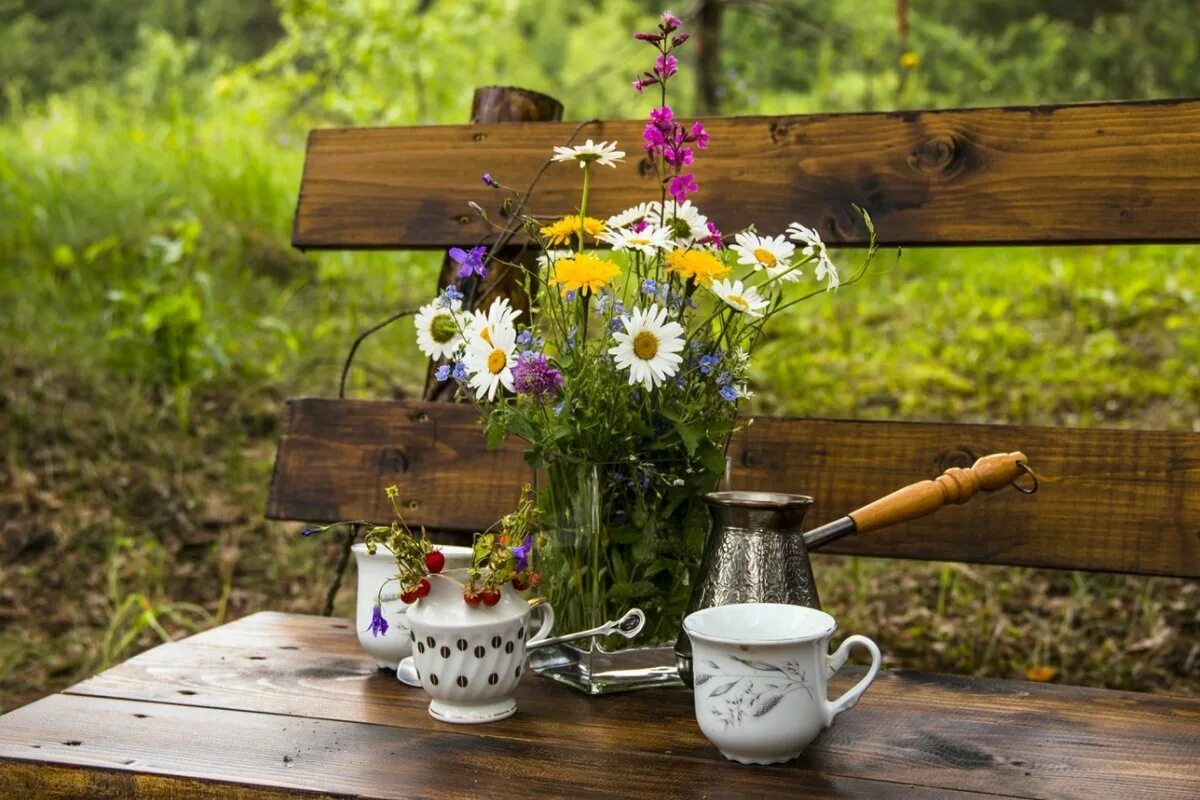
(422, 588)
(435, 561)
(535, 578)
(490, 597)
(409, 597)
(520, 583)
(471, 598)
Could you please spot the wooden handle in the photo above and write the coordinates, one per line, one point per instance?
(955, 485)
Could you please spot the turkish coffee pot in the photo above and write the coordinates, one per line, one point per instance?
(757, 552)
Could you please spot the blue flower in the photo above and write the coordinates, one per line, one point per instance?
(379, 625)
(311, 531)
(649, 286)
(525, 338)
(681, 382)
(448, 296)
(602, 301)
(635, 395)
(615, 324)
(490, 181)
(619, 308)
(558, 409)
(470, 263)
(729, 393)
(442, 373)
(521, 553)
(708, 364)
(459, 373)
(724, 379)
(570, 296)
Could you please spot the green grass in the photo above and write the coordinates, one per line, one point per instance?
(155, 319)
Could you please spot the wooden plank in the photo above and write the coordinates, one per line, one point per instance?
(1103, 172)
(956, 733)
(1122, 501)
(99, 747)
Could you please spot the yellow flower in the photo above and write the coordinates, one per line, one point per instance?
(563, 230)
(909, 60)
(699, 264)
(583, 272)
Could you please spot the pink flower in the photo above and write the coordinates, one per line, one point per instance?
(699, 135)
(666, 66)
(640, 226)
(663, 117)
(680, 39)
(680, 186)
(670, 22)
(649, 37)
(678, 156)
(653, 136)
(714, 237)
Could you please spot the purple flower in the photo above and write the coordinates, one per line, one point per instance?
(490, 181)
(708, 364)
(442, 373)
(459, 373)
(669, 21)
(311, 531)
(680, 186)
(534, 376)
(448, 296)
(649, 286)
(470, 263)
(570, 296)
(666, 66)
(724, 379)
(729, 393)
(525, 338)
(699, 135)
(615, 324)
(639, 226)
(379, 625)
(521, 553)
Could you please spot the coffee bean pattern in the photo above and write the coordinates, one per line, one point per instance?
(445, 651)
(462, 644)
(480, 650)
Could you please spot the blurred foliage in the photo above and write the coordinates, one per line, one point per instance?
(155, 314)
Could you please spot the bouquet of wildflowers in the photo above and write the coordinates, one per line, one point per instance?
(627, 371)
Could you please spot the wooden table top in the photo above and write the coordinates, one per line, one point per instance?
(284, 705)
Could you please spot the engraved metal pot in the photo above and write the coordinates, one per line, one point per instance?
(755, 554)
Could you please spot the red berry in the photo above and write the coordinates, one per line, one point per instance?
(422, 588)
(472, 598)
(409, 597)
(520, 584)
(490, 597)
(435, 561)
(535, 578)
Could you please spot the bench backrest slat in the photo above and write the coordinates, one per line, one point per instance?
(1111, 500)
(1104, 172)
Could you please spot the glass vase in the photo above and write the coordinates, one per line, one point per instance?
(618, 536)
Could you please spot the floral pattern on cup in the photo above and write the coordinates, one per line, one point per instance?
(755, 693)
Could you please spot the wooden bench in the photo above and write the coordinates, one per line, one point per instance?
(284, 705)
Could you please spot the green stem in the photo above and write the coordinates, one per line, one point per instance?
(587, 174)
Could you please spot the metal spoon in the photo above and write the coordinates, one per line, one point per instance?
(629, 625)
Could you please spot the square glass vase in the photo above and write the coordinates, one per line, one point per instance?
(618, 536)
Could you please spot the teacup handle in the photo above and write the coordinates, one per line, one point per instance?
(836, 661)
(547, 626)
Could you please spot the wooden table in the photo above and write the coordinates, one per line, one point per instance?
(280, 705)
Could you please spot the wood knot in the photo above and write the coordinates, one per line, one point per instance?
(392, 462)
(781, 133)
(463, 219)
(479, 137)
(940, 154)
(748, 459)
(962, 457)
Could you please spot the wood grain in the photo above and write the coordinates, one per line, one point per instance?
(1121, 501)
(1104, 172)
(954, 733)
(101, 747)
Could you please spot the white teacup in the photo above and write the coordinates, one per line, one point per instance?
(469, 660)
(374, 574)
(761, 675)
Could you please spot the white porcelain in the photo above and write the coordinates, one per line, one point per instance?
(374, 574)
(469, 660)
(761, 673)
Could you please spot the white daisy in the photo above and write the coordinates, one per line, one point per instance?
(439, 329)
(814, 247)
(744, 298)
(648, 241)
(684, 220)
(774, 254)
(629, 216)
(500, 316)
(649, 346)
(490, 363)
(546, 259)
(604, 154)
